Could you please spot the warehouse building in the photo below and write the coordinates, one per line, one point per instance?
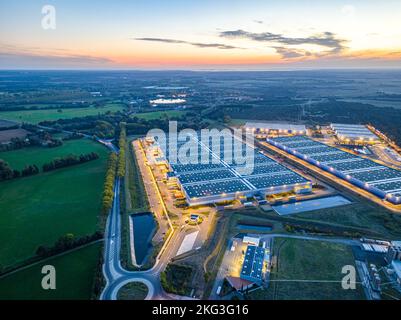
(253, 266)
(263, 129)
(353, 134)
(379, 180)
(219, 181)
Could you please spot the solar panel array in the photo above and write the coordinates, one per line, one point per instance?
(370, 173)
(225, 174)
(252, 267)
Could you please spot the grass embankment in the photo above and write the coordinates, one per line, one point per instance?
(309, 260)
(134, 201)
(74, 274)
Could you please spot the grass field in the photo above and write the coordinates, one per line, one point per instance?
(37, 210)
(133, 291)
(36, 116)
(361, 214)
(74, 275)
(18, 159)
(159, 114)
(309, 260)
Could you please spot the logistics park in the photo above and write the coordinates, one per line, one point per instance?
(290, 171)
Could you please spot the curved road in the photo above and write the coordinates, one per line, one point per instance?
(116, 276)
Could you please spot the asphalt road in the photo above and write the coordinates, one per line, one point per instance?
(116, 276)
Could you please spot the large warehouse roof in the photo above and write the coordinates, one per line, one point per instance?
(353, 132)
(224, 177)
(373, 177)
(275, 126)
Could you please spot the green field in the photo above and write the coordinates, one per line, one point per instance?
(36, 116)
(159, 114)
(309, 260)
(133, 291)
(361, 214)
(74, 275)
(37, 210)
(18, 159)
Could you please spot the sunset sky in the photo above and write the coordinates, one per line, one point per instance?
(207, 34)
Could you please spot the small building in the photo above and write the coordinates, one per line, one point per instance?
(253, 265)
(239, 284)
(251, 240)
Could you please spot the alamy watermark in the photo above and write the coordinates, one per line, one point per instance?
(49, 280)
(349, 280)
(48, 17)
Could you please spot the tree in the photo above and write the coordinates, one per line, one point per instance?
(6, 173)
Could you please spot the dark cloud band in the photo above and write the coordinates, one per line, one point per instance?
(196, 44)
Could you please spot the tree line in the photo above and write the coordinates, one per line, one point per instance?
(122, 144)
(69, 160)
(8, 173)
(108, 191)
(67, 242)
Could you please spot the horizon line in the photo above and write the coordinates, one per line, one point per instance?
(209, 70)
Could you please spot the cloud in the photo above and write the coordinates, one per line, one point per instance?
(290, 53)
(329, 40)
(53, 55)
(32, 57)
(196, 44)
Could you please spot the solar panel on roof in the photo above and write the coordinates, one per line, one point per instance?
(370, 173)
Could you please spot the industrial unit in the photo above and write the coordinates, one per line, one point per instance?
(253, 265)
(379, 180)
(353, 134)
(263, 129)
(219, 181)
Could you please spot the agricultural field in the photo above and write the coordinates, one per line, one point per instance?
(7, 135)
(18, 159)
(37, 210)
(159, 114)
(309, 260)
(74, 277)
(37, 116)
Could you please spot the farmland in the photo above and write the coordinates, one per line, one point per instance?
(159, 114)
(74, 272)
(37, 210)
(37, 116)
(7, 135)
(18, 159)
